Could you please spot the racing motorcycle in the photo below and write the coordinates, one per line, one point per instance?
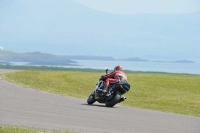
(112, 96)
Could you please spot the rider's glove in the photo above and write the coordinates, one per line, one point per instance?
(102, 78)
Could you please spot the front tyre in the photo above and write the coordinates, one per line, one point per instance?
(91, 98)
(115, 100)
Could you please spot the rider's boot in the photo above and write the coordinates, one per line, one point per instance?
(104, 89)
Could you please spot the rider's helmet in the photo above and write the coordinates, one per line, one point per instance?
(118, 68)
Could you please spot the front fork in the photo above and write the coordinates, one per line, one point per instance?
(96, 95)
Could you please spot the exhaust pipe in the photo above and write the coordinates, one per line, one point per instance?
(122, 99)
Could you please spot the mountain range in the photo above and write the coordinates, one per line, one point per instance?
(37, 58)
(66, 27)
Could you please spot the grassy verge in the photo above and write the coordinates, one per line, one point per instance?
(25, 130)
(174, 93)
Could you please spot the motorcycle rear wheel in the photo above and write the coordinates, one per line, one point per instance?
(114, 101)
(91, 99)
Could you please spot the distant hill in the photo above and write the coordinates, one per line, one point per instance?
(35, 58)
(38, 58)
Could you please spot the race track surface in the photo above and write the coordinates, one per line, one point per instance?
(25, 107)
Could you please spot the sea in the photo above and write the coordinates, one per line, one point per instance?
(166, 67)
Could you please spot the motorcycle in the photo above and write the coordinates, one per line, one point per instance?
(112, 96)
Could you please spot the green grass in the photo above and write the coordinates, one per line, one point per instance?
(26, 130)
(173, 93)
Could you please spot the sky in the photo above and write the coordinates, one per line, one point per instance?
(143, 6)
(148, 29)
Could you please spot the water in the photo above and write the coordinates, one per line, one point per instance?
(186, 68)
(19, 63)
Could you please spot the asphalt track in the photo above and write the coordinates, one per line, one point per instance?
(25, 107)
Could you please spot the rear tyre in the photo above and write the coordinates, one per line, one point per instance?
(91, 98)
(115, 100)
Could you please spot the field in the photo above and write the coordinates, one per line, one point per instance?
(26, 130)
(172, 93)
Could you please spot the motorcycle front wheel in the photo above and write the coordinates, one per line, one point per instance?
(91, 99)
(115, 99)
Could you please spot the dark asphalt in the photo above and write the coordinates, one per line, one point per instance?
(25, 107)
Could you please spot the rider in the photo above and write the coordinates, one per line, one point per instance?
(117, 76)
